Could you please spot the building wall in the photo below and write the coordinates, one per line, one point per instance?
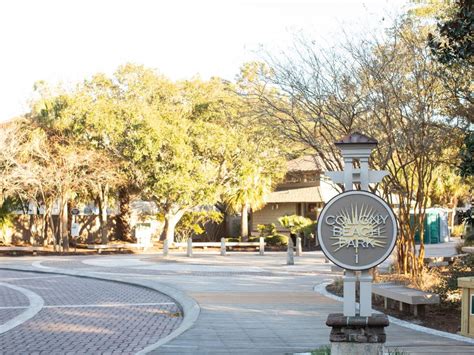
(270, 214)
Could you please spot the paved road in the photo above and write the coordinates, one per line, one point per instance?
(249, 304)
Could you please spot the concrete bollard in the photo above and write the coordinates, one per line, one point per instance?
(290, 259)
(223, 249)
(166, 247)
(261, 248)
(189, 250)
(298, 246)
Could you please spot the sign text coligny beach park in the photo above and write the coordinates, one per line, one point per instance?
(357, 230)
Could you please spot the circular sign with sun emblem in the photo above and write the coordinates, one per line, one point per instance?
(357, 230)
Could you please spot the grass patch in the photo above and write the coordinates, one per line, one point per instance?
(323, 350)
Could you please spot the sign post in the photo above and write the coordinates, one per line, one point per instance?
(357, 231)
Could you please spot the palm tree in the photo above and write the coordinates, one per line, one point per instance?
(251, 187)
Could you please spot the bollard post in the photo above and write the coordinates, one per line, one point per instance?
(189, 250)
(165, 247)
(223, 250)
(262, 246)
(298, 246)
(290, 259)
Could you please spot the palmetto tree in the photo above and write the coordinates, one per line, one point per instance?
(252, 184)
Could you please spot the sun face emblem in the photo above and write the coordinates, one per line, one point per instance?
(361, 227)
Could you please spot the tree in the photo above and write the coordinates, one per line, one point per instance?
(466, 168)
(176, 143)
(193, 223)
(254, 175)
(105, 115)
(386, 88)
(453, 39)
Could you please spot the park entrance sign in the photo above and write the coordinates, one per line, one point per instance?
(357, 230)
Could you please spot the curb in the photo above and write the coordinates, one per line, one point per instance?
(36, 304)
(321, 289)
(189, 306)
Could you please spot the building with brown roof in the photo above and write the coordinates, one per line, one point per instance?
(304, 192)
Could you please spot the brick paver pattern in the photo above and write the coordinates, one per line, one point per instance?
(86, 316)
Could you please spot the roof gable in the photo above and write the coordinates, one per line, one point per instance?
(305, 163)
(356, 138)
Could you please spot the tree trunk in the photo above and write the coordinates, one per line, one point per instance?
(171, 219)
(64, 230)
(32, 229)
(244, 223)
(53, 229)
(44, 226)
(103, 203)
(124, 229)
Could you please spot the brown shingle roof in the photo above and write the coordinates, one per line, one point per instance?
(304, 194)
(305, 163)
(356, 138)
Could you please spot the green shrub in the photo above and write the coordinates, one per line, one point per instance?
(296, 224)
(457, 230)
(309, 230)
(447, 287)
(323, 350)
(266, 230)
(6, 221)
(277, 240)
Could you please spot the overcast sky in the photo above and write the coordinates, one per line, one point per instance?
(69, 40)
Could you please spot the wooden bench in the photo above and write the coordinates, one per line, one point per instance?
(223, 245)
(205, 245)
(406, 296)
(119, 247)
(33, 250)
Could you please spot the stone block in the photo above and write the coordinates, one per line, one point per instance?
(357, 329)
(356, 349)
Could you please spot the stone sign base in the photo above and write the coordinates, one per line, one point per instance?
(357, 335)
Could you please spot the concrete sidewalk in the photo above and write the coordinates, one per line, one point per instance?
(249, 304)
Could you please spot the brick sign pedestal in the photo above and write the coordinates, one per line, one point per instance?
(357, 335)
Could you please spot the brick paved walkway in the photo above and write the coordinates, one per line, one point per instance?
(83, 315)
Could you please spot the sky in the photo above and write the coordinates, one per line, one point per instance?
(66, 41)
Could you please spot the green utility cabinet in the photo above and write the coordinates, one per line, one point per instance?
(435, 226)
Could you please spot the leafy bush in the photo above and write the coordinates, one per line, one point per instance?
(309, 230)
(277, 240)
(447, 288)
(6, 221)
(457, 230)
(266, 230)
(323, 350)
(192, 223)
(296, 224)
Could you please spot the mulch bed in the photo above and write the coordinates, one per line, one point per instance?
(445, 317)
